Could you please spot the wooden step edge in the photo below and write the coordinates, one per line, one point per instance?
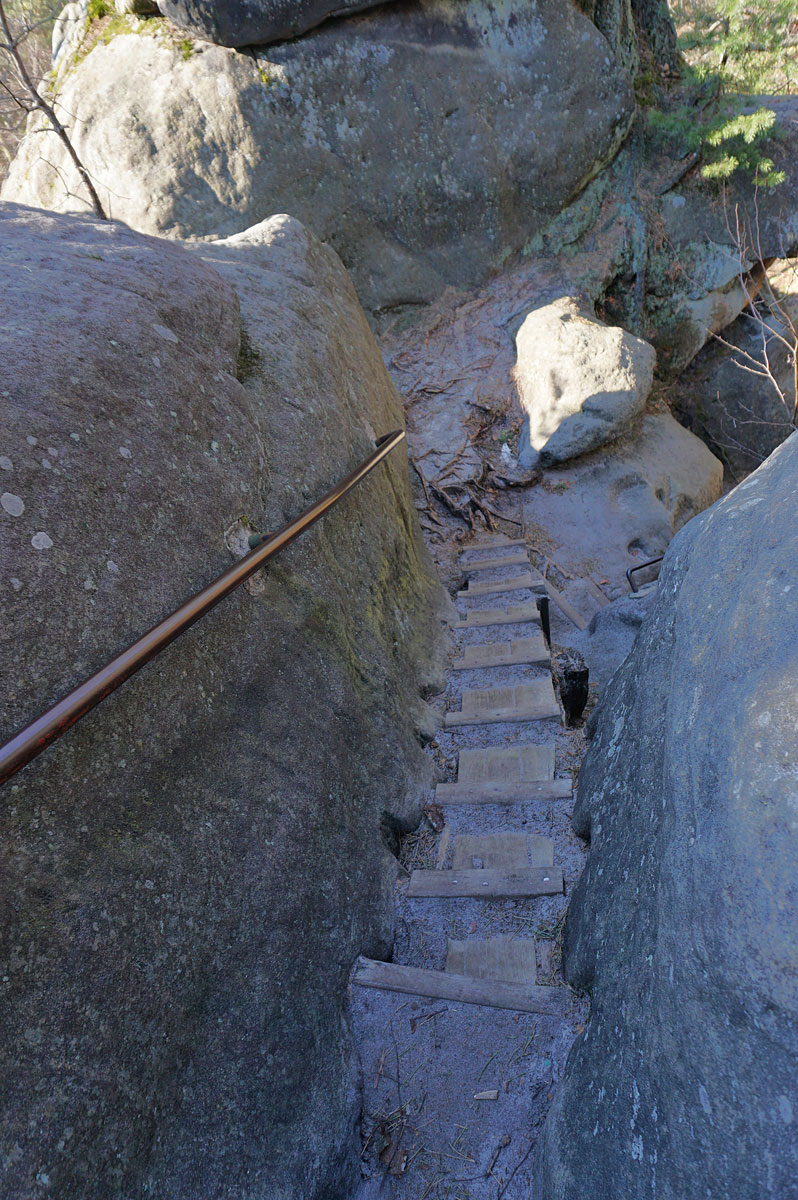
(540, 712)
(519, 559)
(494, 539)
(486, 882)
(530, 616)
(489, 587)
(445, 985)
(536, 657)
(502, 793)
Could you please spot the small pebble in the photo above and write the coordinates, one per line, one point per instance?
(41, 541)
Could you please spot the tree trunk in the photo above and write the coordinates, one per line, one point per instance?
(656, 32)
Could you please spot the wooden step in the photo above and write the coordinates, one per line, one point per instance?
(518, 558)
(521, 702)
(503, 793)
(486, 884)
(512, 775)
(501, 851)
(515, 614)
(510, 959)
(515, 584)
(511, 764)
(493, 539)
(503, 654)
(446, 985)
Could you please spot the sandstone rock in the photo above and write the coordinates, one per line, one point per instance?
(609, 638)
(190, 872)
(425, 142)
(695, 257)
(580, 382)
(69, 29)
(684, 926)
(623, 503)
(255, 21)
(632, 25)
(138, 8)
(737, 412)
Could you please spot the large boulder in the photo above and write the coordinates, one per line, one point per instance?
(255, 21)
(580, 382)
(189, 874)
(622, 504)
(703, 242)
(609, 637)
(739, 393)
(684, 926)
(425, 141)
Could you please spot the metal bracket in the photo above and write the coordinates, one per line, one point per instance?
(652, 562)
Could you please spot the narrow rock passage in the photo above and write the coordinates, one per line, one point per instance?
(463, 1036)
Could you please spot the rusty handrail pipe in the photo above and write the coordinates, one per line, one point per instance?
(36, 736)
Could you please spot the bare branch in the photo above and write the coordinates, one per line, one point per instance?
(39, 102)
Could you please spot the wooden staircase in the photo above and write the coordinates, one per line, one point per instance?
(500, 971)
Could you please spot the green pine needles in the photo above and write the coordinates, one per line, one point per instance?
(727, 138)
(732, 49)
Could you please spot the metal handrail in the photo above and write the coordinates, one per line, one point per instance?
(36, 736)
(652, 562)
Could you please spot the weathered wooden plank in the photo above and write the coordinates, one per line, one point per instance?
(443, 846)
(511, 764)
(502, 851)
(503, 654)
(570, 612)
(596, 592)
(444, 985)
(521, 702)
(510, 959)
(503, 793)
(515, 614)
(517, 558)
(514, 584)
(497, 851)
(539, 691)
(524, 881)
(494, 539)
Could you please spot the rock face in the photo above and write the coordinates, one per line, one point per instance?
(255, 21)
(190, 872)
(611, 633)
(684, 926)
(426, 142)
(694, 257)
(628, 24)
(622, 504)
(738, 413)
(580, 382)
